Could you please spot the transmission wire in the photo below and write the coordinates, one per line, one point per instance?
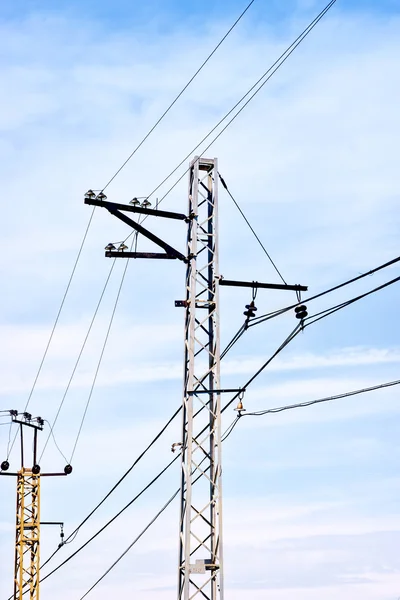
(299, 327)
(153, 520)
(79, 358)
(251, 228)
(101, 355)
(272, 69)
(179, 95)
(107, 184)
(261, 318)
(55, 322)
(308, 403)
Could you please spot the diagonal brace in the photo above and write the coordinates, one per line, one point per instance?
(146, 233)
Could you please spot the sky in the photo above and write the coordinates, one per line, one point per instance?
(311, 504)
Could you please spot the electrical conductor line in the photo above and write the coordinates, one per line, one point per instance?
(137, 538)
(179, 95)
(271, 71)
(55, 322)
(262, 318)
(101, 357)
(107, 184)
(307, 403)
(290, 337)
(78, 360)
(226, 435)
(251, 228)
(299, 327)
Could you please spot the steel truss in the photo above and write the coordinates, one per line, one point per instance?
(200, 553)
(26, 573)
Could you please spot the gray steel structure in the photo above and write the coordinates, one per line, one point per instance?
(200, 542)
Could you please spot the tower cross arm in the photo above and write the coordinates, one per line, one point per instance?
(258, 284)
(136, 209)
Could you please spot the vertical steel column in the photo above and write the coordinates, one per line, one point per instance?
(26, 572)
(200, 554)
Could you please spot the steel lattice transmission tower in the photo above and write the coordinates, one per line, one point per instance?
(27, 529)
(26, 572)
(200, 554)
(200, 573)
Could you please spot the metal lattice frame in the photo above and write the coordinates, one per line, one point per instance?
(200, 555)
(26, 573)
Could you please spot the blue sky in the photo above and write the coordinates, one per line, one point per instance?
(313, 163)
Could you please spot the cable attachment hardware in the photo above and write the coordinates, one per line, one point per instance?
(250, 312)
(62, 542)
(239, 407)
(301, 314)
(176, 445)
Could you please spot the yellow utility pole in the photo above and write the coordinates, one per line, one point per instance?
(27, 530)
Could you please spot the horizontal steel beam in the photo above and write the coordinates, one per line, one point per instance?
(136, 209)
(257, 284)
(139, 255)
(226, 391)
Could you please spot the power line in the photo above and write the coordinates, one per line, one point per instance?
(307, 403)
(54, 440)
(108, 183)
(153, 520)
(333, 309)
(289, 338)
(179, 95)
(79, 358)
(72, 536)
(142, 532)
(283, 345)
(101, 356)
(270, 71)
(226, 435)
(55, 322)
(111, 520)
(262, 318)
(251, 228)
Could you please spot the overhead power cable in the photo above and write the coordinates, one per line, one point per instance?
(288, 339)
(262, 318)
(179, 95)
(333, 309)
(137, 538)
(78, 358)
(307, 403)
(94, 536)
(283, 345)
(225, 436)
(108, 183)
(266, 77)
(174, 495)
(72, 536)
(251, 228)
(55, 322)
(101, 354)
(291, 336)
(272, 315)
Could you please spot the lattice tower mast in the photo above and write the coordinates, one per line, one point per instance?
(27, 531)
(200, 553)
